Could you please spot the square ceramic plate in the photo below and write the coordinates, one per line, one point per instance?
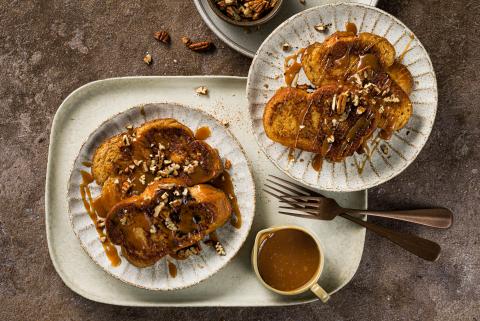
(235, 285)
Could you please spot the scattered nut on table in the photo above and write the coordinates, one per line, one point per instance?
(198, 46)
(202, 90)
(147, 58)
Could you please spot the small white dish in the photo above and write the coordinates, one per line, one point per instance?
(266, 76)
(196, 268)
(247, 41)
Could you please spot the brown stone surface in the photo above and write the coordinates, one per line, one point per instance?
(49, 48)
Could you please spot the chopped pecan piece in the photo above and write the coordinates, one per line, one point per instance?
(321, 27)
(147, 59)
(186, 41)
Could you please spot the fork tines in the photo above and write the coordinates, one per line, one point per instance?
(298, 190)
(294, 195)
(291, 192)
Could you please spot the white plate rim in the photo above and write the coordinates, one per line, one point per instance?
(249, 174)
(427, 133)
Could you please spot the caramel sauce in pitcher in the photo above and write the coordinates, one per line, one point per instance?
(287, 259)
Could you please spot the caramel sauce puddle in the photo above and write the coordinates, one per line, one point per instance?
(88, 203)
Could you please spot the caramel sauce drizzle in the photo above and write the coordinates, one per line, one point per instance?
(351, 27)
(291, 154)
(108, 247)
(213, 237)
(292, 67)
(224, 183)
(368, 153)
(301, 125)
(172, 269)
(317, 162)
(202, 133)
(364, 62)
(292, 72)
(405, 50)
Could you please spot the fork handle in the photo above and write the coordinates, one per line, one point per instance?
(421, 247)
(433, 217)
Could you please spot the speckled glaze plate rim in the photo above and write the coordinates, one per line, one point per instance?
(206, 13)
(425, 133)
(251, 187)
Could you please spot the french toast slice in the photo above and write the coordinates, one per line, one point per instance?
(305, 121)
(345, 53)
(167, 217)
(335, 121)
(124, 164)
(402, 76)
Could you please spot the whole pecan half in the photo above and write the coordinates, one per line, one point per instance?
(162, 36)
(198, 46)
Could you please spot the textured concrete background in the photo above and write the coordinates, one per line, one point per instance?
(49, 48)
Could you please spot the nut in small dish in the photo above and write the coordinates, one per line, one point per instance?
(245, 12)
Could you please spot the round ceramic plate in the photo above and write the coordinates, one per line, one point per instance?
(197, 267)
(247, 41)
(266, 76)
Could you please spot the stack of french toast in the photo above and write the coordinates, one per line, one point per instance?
(359, 87)
(156, 198)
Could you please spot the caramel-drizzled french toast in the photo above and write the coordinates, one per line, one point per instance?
(166, 217)
(335, 121)
(125, 164)
(360, 86)
(345, 53)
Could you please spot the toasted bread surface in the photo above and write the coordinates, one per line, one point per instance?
(335, 121)
(344, 53)
(124, 164)
(167, 217)
(402, 76)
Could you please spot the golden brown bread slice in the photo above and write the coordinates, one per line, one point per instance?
(166, 217)
(343, 54)
(335, 121)
(126, 163)
(301, 120)
(389, 97)
(402, 76)
(175, 141)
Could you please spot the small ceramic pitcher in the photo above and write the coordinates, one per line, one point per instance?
(312, 284)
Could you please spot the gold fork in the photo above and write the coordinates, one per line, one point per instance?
(316, 206)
